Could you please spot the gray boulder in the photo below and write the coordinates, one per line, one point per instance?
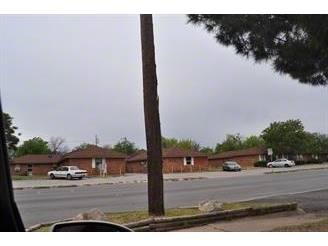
(209, 206)
(93, 214)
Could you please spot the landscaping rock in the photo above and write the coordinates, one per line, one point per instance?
(93, 214)
(209, 206)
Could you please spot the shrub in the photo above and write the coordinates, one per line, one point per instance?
(260, 164)
(298, 163)
(316, 161)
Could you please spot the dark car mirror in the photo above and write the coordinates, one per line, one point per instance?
(88, 226)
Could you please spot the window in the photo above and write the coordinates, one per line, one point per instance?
(30, 169)
(188, 161)
(143, 163)
(262, 158)
(96, 163)
(17, 168)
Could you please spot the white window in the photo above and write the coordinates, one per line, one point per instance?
(188, 161)
(17, 168)
(299, 157)
(29, 169)
(262, 158)
(97, 162)
(143, 163)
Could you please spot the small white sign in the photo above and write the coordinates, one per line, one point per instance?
(270, 152)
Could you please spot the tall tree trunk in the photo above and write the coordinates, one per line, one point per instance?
(152, 120)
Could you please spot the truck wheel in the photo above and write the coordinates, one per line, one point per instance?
(69, 177)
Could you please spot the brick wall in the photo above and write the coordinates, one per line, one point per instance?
(244, 161)
(175, 165)
(37, 169)
(114, 166)
(171, 165)
(136, 167)
(85, 164)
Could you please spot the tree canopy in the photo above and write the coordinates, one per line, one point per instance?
(125, 146)
(236, 142)
(10, 131)
(317, 143)
(184, 143)
(232, 142)
(254, 141)
(57, 145)
(294, 44)
(82, 146)
(286, 137)
(33, 146)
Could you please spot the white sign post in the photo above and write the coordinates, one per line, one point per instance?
(270, 152)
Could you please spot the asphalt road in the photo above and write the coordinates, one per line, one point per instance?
(43, 205)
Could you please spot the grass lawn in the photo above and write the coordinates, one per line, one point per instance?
(28, 177)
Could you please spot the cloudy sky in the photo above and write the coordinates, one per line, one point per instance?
(77, 76)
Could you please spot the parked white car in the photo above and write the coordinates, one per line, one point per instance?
(68, 172)
(283, 162)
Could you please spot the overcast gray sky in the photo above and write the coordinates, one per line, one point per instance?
(76, 76)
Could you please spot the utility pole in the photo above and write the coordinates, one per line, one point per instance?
(152, 120)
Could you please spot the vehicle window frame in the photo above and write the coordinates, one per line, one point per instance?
(10, 219)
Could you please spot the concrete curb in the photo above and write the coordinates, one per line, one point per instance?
(105, 183)
(159, 224)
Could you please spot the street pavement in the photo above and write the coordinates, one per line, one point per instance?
(249, 224)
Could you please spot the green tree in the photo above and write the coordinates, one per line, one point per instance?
(253, 141)
(125, 146)
(189, 144)
(35, 146)
(294, 44)
(184, 143)
(317, 143)
(152, 119)
(207, 150)
(232, 142)
(286, 137)
(10, 131)
(169, 142)
(83, 146)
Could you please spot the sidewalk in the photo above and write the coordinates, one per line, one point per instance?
(264, 223)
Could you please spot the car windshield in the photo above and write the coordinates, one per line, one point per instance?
(232, 164)
(75, 90)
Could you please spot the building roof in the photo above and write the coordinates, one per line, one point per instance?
(180, 152)
(235, 153)
(36, 159)
(167, 153)
(93, 151)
